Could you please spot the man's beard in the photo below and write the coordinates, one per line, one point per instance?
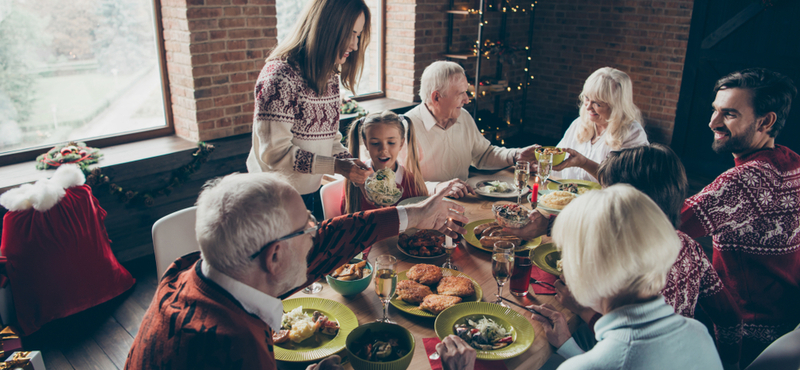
(734, 144)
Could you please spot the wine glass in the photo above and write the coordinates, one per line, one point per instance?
(385, 282)
(545, 167)
(522, 172)
(314, 288)
(502, 266)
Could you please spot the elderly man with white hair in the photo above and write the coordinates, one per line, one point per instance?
(219, 308)
(617, 248)
(447, 136)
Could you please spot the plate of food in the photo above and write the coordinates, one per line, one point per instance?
(312, 329)
(554, 201)
(574, 186)
(495, 186)
(548, 258)
(482, 234)
(426, 290)
(381, 188)
(496, 332)
(412, 200)
(422, 244)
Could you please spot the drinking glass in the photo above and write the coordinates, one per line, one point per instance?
(522, 172)
(385, 282)
(521, 278)
(502, 266)
(314, 288)
(545, 167)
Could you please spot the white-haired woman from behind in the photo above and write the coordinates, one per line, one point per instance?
(609, 120)
(617, 247)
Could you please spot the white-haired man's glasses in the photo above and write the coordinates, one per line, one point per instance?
(313, 229)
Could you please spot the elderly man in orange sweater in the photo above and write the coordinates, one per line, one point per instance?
(218, 308)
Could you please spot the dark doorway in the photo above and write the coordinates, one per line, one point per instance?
(726, 36)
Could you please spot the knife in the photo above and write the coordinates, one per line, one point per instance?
(555, 181)
(531, 310)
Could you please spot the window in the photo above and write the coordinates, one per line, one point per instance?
(78, 70)
(371, 83)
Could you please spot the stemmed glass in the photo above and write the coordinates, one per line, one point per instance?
(502, 266)
(385, 282)
(522, 172)
(314, 288)
(545, 167)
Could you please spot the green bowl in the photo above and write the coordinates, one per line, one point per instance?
(351, 287)
(402, 334)
(557, 158)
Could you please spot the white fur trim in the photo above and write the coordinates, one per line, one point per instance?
(44, 194)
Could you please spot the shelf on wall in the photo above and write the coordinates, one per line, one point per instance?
(464, 56)
(464, 12)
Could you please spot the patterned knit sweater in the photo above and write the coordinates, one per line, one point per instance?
(295, 130)
(193, 323)
(752, 211)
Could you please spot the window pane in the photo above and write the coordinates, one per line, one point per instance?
(75, 70)
(288, 11)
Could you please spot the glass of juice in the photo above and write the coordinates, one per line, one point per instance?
(521, 278)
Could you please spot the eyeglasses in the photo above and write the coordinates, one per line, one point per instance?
(313, 229)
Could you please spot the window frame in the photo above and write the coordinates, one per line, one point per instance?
(382, 63)
(30, 153)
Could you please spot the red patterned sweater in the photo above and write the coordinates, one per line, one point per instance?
(752, 211)
(295, 130)
(192, 323)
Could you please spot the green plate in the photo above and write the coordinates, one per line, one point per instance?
(320, 345)
(521, 328)
(589, 184)
(471, 239)
(545, 257)
(414, 308)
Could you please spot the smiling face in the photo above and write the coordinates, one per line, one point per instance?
(384, 141)
(450, 102)
(734, 122)
(596, 111)
(352, 40)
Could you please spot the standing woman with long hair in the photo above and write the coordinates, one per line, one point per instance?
(296, 120)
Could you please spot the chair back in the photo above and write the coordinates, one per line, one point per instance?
(331, 195)
(783, 353)
(174, 236)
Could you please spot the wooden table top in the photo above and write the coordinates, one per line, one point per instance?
(474, 262)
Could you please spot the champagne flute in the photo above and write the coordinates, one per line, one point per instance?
(502, 266)
(522, 172)
(545, 167)
(385, 282)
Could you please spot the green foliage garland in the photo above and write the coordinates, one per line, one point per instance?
(97, 180)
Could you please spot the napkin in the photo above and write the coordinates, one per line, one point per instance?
(430, 348)
(544, 276)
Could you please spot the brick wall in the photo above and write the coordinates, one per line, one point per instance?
(646, 39)
(215, 50)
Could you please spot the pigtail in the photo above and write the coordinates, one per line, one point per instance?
(412, 160)
(352, 194)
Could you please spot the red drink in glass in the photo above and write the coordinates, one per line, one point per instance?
(521, 277)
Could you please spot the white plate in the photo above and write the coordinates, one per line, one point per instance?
(476, 181)
(411, 232)
(548, 209)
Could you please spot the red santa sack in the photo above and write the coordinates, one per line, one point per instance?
(59, 258)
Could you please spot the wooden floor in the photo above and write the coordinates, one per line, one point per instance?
(98, 338)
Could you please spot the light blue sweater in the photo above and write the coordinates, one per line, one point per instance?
(645, 336)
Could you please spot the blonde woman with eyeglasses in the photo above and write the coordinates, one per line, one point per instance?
(609, 120)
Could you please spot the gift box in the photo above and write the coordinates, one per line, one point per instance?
(9, 341)
(23, 360)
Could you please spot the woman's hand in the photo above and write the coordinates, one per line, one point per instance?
(564, 296)
(436, 213)
(455, 188)
(329, 363)
(536, 228)
(353, 169)
(575, 159)
(555, 328)
(456, 354)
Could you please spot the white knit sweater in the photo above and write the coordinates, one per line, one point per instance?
(295, 131)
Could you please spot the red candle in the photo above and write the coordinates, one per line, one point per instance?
(535, 194)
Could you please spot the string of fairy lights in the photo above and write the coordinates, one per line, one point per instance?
(490, 47)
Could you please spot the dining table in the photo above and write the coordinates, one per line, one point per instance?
(474, 262)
